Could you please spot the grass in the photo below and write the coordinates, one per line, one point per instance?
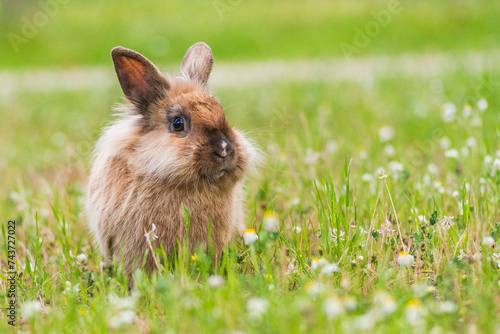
(322, 154)
(83, 33)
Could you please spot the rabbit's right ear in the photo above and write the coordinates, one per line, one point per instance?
(142, 83)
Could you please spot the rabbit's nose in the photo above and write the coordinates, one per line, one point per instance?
(225, 149)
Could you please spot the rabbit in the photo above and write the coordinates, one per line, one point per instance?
(170, 148)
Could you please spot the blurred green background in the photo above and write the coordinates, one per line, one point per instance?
(74, 33)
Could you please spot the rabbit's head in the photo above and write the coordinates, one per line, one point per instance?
(175, 130)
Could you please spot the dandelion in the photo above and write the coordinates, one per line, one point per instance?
(488, 241)
(453, 153)
(270, 221)
(482, 105)
(333, 307)
(215, 281)
(30, 308)
(256, 307)
(404, 259)
(385, 303)
(249, 236)
(81, 258)
(447, 222)
(413, 311)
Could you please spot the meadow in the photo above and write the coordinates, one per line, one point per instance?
(375, 208)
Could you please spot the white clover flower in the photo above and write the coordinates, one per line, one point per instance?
(270, 221)
(256, 307)
(30, 308)
(488, 160)
(471, 142)
(215, 281)
(432, 168)
(466, 111)
(422, 219)
(367, 177)
(488, 241)
(395, 167)
(449, 111)
(333, 307)
(350, 303)
(447, 222)
(81, 258)
(337, 235)
(331, 147)
(315, 288)
(386, 133)
(125, 317)
(452, 153)
(389, 150)
(404, 259)
(360, 257)
(448, 307)
(445, 143)
(330, 269)
(311, 157)
(249, 236)
(482, 105)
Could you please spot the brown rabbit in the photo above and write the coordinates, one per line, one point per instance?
(171, 147)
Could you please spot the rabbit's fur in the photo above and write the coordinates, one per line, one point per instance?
(145, 170)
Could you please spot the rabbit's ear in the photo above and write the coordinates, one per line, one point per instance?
(197, 63)
(142, 83)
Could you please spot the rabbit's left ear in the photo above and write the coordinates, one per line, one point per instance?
(197, 63)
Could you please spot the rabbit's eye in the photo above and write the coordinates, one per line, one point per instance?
(178, 124)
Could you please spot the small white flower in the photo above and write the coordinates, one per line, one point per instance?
(311, 157)
(386, 133)
(360, 257)
(464, 151)
(447, 222)
(488, 241)
(249, 237)
(318, 263)
(395, 167)
(445, 143)
(389, 150)
(81, 258)
(482, 104)
(270, 221)
(467, 111)
(333, 307)
(476, 121)
(30, 308)
(404, 259)
(367, 177)
(331, 147)
(297, 229)
(350, 303)
(422, 219)
(215, 281)
(413, 311)
(471, 142)
(337, 235)
(330, 269)
(125, 317)
(452, 153)
(256, 307)
(315, 288)
(449, 111)
(496, 164)
(448, 307)
(432, 168)
(366, 321)
(363, 155)
(488, 160)
(385, 302)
